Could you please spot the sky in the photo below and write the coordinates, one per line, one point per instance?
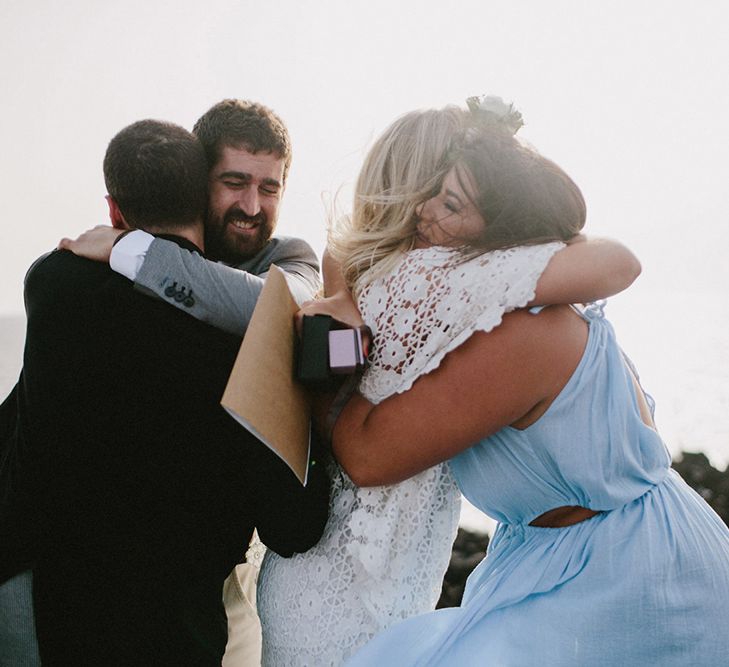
(629, 97)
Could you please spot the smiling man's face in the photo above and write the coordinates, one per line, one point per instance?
(245, 192)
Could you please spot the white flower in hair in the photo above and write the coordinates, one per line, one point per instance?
(493, 108)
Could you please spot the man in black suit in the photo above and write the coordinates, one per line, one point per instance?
(124, 483)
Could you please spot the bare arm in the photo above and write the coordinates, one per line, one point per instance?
(507, 376)
(332, 274)
(338, 301)
(586, 270)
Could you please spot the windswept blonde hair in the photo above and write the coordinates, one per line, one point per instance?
(404, 167)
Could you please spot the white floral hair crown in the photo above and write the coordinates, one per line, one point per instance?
(491, 108)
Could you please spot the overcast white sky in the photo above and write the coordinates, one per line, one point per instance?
(630, 97)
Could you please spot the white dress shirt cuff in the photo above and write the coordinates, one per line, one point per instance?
(128, 254)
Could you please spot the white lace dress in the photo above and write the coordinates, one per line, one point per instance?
(385, 549)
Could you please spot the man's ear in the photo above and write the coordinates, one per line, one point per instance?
(115, 214)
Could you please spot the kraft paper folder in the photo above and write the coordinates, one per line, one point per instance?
(261, 393)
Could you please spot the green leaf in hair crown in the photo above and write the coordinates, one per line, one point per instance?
(493, 108)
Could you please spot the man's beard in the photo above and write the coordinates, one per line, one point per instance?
(223, 243)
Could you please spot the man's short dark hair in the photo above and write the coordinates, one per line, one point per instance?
(157, 174)
(243, 124)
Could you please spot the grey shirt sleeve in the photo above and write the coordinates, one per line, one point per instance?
(221, 295)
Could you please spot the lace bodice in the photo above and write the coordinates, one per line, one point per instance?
(385, 549)
(434, 300)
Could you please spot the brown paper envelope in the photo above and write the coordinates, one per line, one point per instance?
(261, 392)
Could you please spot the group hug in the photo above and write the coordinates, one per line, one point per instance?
(129, 497)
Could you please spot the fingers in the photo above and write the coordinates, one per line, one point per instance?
(321, 307)
(67, 244)
(366, 340)
(307, 308)
(71, 244)
(340, 306)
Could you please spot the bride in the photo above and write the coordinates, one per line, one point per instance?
(385, 549)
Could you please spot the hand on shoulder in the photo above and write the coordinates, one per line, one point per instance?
(94, 244)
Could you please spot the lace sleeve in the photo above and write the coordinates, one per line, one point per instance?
(434, 300)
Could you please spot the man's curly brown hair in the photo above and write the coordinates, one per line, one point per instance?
(243, 124)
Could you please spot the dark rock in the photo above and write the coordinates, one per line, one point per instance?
(710, 483)
(469, 550)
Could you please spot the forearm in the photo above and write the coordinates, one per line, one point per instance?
(338, 301)
(379, 444)
(490, 381)
(221, 295)
(332, 272)
(586, 271)
(211, 292)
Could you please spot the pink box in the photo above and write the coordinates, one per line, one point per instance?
(345, 351)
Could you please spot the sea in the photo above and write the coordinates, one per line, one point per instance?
(679, 342)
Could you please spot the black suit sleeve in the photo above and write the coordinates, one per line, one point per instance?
(21, 525)
(290, 517)
(8, 418)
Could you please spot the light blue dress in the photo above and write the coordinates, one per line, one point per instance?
(645, 582)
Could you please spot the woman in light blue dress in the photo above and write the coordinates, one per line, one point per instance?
(603, 555)
(643, 582)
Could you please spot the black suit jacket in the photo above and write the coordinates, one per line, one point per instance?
(124, 483)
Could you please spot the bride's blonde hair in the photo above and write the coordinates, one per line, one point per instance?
(404, 167)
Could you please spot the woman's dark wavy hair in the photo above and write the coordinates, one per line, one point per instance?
(524, 198)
